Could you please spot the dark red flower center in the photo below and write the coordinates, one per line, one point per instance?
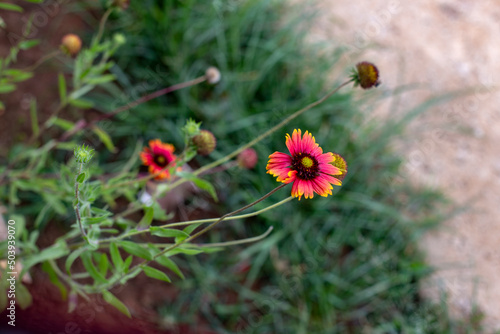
(160, 160)
(305, 165)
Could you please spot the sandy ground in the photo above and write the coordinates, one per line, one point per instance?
(442, 45)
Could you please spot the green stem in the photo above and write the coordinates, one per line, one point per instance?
(41, 61)
(105, 242)
(77, 204)
(251, 143)
(264, 135)
(191, 238)
(222, 244)
(102, 23)
(131, 105)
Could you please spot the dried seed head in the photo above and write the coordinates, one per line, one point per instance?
(366, 75)
(213, 75)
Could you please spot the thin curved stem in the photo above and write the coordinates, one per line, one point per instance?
(133, 104)
(77, 204)
(191, 222)
(191, 238)
(41, 61)
(102, 23)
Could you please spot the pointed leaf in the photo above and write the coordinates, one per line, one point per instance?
(135, 249)
(54, 279)
(25, 45)
(166, 262)
(155, 273)
(91, 269)
(167, 232)
(105, 138)
(116, 257)
(147, 219)
(112, 300)
(80, 178)
(103, 264)
(23, 296)
(202, 184)
(10, 6)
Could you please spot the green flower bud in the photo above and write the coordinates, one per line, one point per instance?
(83, 154)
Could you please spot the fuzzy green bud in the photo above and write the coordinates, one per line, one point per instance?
(119, 39)
(83, 154)
(191, 128)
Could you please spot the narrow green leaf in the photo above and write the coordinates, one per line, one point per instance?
(190, 228)
(112, 300)
(18, 75)
(80, 92)
(91, 269)
(103, 264)
(155, 273)
(100, 80)
(25, 45)
(23, 296)
(7, 88)
(202, 184)
(187, 251)
(81, 103)
(166, 262)
(135, 249)
(105, 138)
(116, 258)
(146, 219)
(167, 232)
(80, 178)
(56, 251)
(127, 263)
(55, 279)
(72, 257)
(62, 123)
(10, 6)
(62, 88)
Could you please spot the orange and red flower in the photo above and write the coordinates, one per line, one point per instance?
(310, 170)
(158, 156)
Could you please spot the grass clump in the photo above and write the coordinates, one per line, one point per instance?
(347, 264)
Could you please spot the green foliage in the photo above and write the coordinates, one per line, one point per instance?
(342, 264)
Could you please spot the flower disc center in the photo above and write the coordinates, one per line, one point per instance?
(160, 160)
(307, 162)
(306, 166)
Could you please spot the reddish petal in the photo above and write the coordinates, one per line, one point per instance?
(330, 179)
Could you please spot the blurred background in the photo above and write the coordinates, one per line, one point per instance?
(409, 244)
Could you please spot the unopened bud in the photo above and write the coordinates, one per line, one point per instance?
(71, 44)
(205, 142)
(247, 158)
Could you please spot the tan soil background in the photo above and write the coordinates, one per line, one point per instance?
(443, 46)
